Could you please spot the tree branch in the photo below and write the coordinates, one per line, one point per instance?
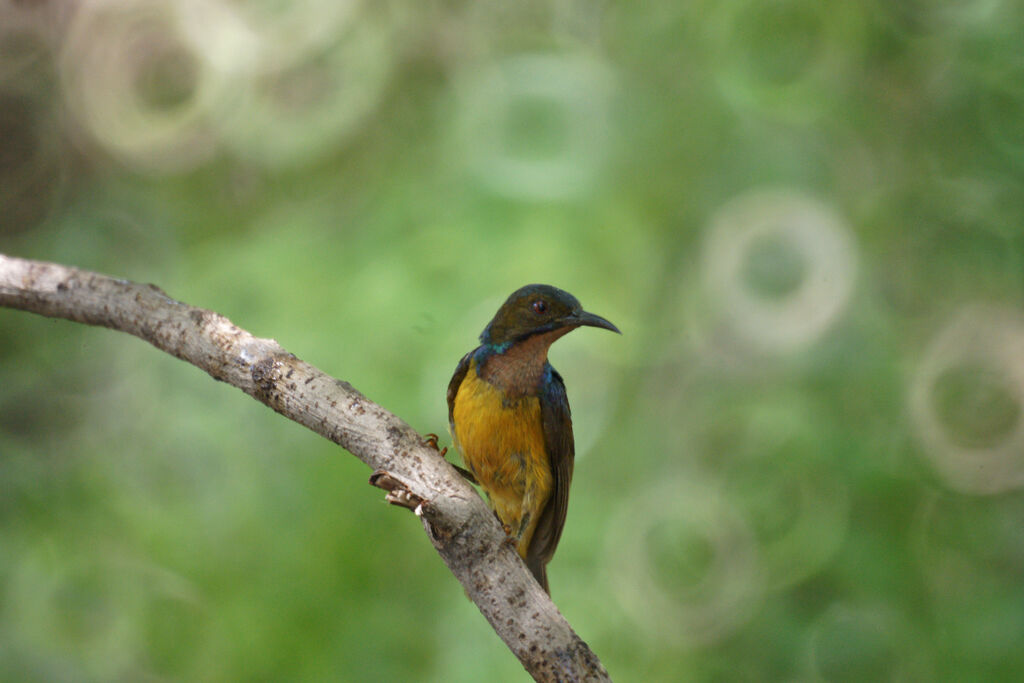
(458, 523)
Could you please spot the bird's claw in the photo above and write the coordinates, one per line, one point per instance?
(431, 440)
(511, 539)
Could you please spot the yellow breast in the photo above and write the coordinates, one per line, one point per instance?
(503, 445)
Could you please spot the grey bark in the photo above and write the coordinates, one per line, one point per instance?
(460, 526)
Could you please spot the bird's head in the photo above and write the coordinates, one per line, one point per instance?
(538, 309)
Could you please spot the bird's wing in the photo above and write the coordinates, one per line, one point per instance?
(453, 388)
(557, 423)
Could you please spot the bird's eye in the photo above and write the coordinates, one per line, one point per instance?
(540, 306)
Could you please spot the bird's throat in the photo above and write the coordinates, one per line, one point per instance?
(519, 370)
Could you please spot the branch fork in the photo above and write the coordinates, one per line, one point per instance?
(398, 493)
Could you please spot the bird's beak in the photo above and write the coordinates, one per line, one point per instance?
(591, 320)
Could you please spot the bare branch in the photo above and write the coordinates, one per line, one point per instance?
(458, 523)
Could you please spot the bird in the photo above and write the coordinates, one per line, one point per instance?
(509, 418)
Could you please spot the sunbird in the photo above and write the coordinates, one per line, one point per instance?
(509, 418)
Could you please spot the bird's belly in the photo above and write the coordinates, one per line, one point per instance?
(502, 443)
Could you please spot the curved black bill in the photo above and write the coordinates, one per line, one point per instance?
(591, 320)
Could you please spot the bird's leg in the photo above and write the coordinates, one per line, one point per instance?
(514, 535)
(466, 474)
(511, 538)
(431, 440)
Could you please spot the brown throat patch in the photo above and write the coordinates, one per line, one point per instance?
(518, 371)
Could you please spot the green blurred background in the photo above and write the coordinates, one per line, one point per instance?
(803, 461)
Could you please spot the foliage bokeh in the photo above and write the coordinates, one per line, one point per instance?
(803, 461)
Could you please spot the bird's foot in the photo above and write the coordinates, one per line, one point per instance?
(431, 440)
(466, 474)
(511, 538)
